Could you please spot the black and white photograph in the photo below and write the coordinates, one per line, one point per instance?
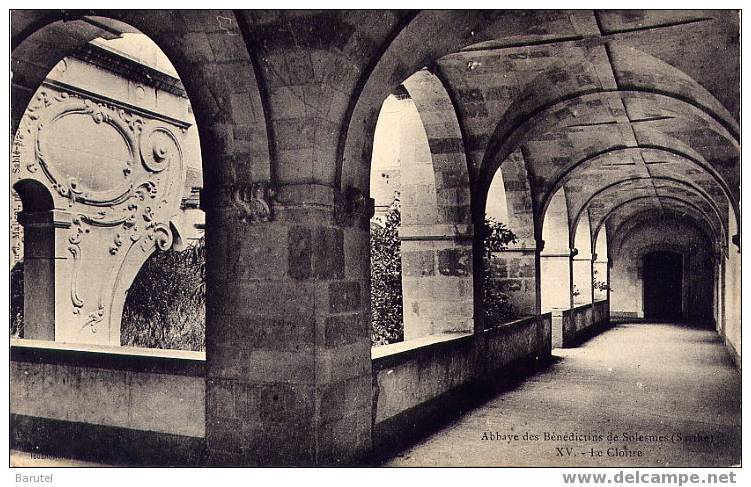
(375, 238)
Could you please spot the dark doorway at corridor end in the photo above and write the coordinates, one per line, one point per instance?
(663, 285)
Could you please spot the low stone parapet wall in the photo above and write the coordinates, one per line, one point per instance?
(108, 403)
(417, 383)
(583, 321)
(144, 406)
(601, 312)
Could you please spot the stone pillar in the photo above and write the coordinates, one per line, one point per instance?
(720, 293)
(518, 273)
(39, 275)
(555, 270)
(555, 289)
(581, 271)
(436, 280)
(288, 325)
(600, 271)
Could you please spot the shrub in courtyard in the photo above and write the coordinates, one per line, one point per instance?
(165, 306)
(386, 279)
(496, 304)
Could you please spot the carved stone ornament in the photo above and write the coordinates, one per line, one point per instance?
(119, 174)
(249, 203)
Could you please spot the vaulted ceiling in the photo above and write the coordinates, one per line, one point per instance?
(622, 110)
(625, 111)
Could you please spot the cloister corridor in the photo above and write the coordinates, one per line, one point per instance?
(636, 378)
(334, 238)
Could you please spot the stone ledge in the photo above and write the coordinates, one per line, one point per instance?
(579, 307)
(157, 361)
(509, 325)
(407, 350)
(386, 356)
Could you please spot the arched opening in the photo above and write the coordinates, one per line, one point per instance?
(600, 267)
(555, 258)
(581, 263)
(663, 285)
(33, 269)
(421, 241)
(689, 298)
(108, 148)
(505, 282)
(511, 273)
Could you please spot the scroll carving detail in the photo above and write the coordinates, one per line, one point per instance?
(121, 212)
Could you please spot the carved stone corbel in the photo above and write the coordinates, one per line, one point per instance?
(251, 203)
(351, 203)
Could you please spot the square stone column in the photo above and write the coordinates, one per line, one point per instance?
(555, 273)
(437, 280)
(288, 326)
(39, 275)
(581, 272)
(601, 266)
(517, 270)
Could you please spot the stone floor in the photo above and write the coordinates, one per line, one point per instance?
(655, 380)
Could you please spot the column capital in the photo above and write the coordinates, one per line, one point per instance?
(251, 202)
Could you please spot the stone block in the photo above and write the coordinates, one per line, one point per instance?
(221, 397)
(453, 179)
(346, 439)
(346, 329)
(300, 259)
(455, 262)
(328, 253)
(286, 102)
(253, 332)
(344, 296)
(260, 251)
(455, 214)
(340, 399)
(356, 254)
(299, 69)
(295, 165)
(200, 48)
(451, 197)
(288, 404)
(344, 362)
(276, 299)
(418, 263)
(445, 145)
(297, 133)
